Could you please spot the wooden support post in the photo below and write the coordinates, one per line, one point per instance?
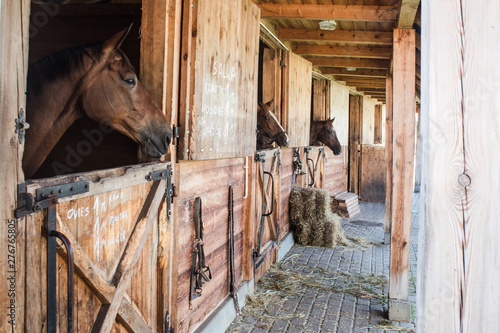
(458, 268)
(14, 24)
(355, 130)
(403, 150)
(388, 159)
(418, 155)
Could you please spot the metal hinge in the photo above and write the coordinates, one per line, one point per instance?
(46, 196)
(260, 157)
(175, 135)
(168, 328)
(21, 125)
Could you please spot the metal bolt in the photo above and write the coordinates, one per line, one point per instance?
(201, 150)
(162, 174)
(187, 132)
(187, 150)
(169, 212)
(42, 195)
(72, 189)
(37, 208)
(60, 191)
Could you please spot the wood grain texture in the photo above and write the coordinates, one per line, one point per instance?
(338, 36)
(355, 128)
(297, 97)
(339, 109)
(377, 126)
(328, 12)
(14, 24)
(457, 288)
(403, 150)
(373, 173)
(388, 156)
(219, 98)
(367, 133)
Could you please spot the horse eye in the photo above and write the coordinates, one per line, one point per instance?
(130, 82)
(267, 118)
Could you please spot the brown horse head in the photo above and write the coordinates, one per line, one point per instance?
(99, 81)
(269, 129)
(323, 131)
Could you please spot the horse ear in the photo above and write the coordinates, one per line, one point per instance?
(332, 120)
(269, 103)
(114, 43)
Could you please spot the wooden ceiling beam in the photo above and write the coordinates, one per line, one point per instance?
(349, 62)
(329, 12)
(381, 73)
(360, 85)
(339, 36)
(360, 79)
(407, 13)
(344, 51)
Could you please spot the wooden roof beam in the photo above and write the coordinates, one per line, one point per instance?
(328, 12)
(339, 36)
(344, 51)
(349, 62)
(380, 73)
(407, 13)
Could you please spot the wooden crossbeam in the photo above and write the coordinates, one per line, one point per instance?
(328, 12)
(360, 85)
(348, 62)
(407, 13)
(340, 36)
(103, 290)
(344, 51)
(123, 275)
(361, 79)
(358, 72)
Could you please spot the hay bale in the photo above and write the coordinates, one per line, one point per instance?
(312, 219)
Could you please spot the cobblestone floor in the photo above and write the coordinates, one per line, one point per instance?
(326, 311)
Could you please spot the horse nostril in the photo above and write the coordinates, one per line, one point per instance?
(168, 139)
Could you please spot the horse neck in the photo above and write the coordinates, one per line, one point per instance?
(315, 129)
(50, 113)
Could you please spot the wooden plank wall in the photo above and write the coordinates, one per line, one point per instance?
(373, 173)
(355, 130)
(271, 79)
(335, 174)
(210, 180)
(320, 94)
(297, 99)
(14, 24)
(219, 98)
(377, 127)
(458, 248)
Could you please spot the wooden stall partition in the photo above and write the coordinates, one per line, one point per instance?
(355, 130)
(373, 173)
(219, 71)
(266, 233)
(458, 266)
(112, 224)
(210, 180)
(14, 24)
(335, 174)
(271, 79)
(320, 99)
(296, 100)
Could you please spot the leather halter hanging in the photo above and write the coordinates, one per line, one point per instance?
(200, 272)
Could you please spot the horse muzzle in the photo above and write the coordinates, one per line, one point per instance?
(157, 147)
(283, 140)
(337, 150)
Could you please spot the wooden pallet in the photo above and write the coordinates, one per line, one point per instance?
(345, 203)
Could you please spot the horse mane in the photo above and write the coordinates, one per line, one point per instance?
(59, 65)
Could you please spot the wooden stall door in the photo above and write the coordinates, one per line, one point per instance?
(267, 208)
(355, 134)
(117, 231)
(271, 79)
(315, 160)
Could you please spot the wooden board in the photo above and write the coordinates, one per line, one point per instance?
(210, 180)
(388, 156)
(219, 69)
(114, 231)
(355, 130)
(336, 170)
(297, 98)
(339, 109)
(377, 126)
(14, 24)
(320, 107)
(373, 173)
(403, 150)
(458, 289)
(271, 79)
(367, 131)
(286, 183)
